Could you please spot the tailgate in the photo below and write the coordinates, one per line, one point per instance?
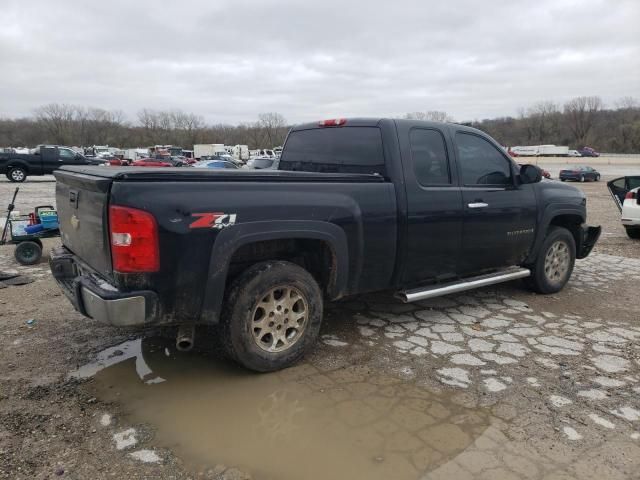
(82, 203)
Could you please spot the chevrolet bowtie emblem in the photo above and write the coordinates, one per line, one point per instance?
(75, 222)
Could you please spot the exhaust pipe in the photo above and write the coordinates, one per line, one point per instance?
(184, 339)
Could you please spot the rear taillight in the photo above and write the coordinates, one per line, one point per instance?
(630, 196)
(334, 122)
(134, 240)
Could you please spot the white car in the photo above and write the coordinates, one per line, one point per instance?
(631, 213)
(626, 193)
(574, 153)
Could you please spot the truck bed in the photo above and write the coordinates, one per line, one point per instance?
(357, 211)
(186, 174)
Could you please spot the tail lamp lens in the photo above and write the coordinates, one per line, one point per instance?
(630, 196)
(134, 240)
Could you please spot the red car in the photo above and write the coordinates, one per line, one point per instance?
(151, 162)
(117, 162)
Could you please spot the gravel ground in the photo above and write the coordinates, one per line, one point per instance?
(496, 383)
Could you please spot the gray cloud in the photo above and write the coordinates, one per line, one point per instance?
(228, 60)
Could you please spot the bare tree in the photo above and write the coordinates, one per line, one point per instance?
(57, 120)
(542, 121)
(581, 113)
(274, 127)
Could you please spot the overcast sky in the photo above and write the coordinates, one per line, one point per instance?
(229, 60)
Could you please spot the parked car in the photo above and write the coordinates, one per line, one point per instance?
(588, 152)
(269, 163)
(579, 174)
(216, 164)
(44, 160)
(574, 153)
(625, 192)
(114, 161)
(224, 158)
(183, 160)
(152, 162)
(357, 206)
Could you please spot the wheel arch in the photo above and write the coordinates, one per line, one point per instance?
(17, 163)
(569, 218)
(253, 242)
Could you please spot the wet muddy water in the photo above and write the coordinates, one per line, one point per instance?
(299, 423)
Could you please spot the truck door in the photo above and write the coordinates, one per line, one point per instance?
(66, 156)
(499, 215)
(48, 159)
(434, 205)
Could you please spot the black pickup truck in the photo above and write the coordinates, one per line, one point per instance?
(46, 159)
(358, 205)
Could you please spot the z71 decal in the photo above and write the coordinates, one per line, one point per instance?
(217, 220)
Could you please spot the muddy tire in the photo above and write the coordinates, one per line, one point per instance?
(17, 175)
(28, 253)
(554, 264)
(272, 316)
(633, 233)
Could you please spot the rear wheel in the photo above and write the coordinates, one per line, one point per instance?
(633, 232)
(563, 179)
(28, 253)
(554, 264)
(17, 174)
(272, 316)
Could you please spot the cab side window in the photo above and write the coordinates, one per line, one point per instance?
(481, 163)
(66, 154)
(429, 157)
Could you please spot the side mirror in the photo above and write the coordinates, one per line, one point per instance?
(530, 174)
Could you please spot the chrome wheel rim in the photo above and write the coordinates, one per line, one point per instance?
(17, 175)
(556, 262)
(279, 319)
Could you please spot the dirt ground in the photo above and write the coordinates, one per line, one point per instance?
(497, 383)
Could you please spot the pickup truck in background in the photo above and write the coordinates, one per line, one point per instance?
(46, 159)
(359, 205)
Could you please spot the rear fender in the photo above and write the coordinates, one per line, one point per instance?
(17, 163)
(229, 240)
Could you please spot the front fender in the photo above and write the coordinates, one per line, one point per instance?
(550, 212)
(230, 239)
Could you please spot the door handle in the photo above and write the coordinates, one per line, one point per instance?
(478, 205)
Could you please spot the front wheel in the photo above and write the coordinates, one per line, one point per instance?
(582, 178)
(272, 316)
(554, 264)
(17, 175)
(597, 178)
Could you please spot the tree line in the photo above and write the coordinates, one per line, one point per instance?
(72, 125)
(582, 121)
(578, 122)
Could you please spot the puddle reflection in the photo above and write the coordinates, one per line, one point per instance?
(298, 423)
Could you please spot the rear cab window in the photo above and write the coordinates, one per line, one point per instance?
(429, 157)
(335, 150)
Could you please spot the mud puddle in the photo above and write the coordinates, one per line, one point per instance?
(299, 423)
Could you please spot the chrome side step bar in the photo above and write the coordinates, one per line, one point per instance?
(431, 291)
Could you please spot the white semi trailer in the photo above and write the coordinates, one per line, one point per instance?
(541, 151)
(208, 149)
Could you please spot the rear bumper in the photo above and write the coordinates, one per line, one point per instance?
(95, 298)
(588, 238)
